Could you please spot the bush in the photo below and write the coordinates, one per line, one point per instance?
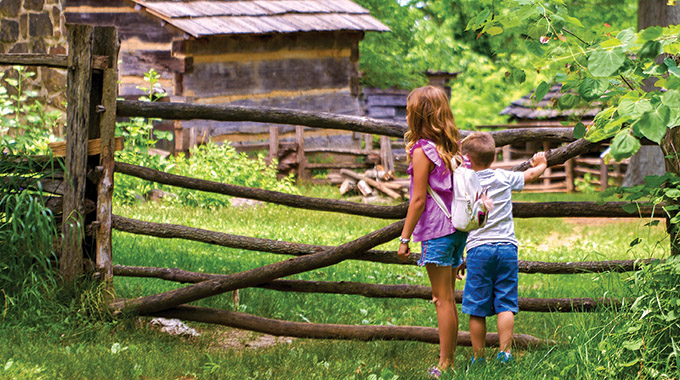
(219, 163)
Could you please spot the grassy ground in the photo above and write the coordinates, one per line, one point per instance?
(132, 349)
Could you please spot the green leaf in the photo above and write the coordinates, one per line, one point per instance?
(579, 130)
(534, 48)
(626, 36)
(674, 119)
(632, 345)
(567, 101)
(671, 98)
(672, 67)
(598, 131)
(611, 43)
(634, 109)
(604, 63)
(541, 90)
(495, 30)
(624, 145)
(650, 50)
(651, 33)
(652, 124)
(591, 89)
(630, 208)
(635, 242)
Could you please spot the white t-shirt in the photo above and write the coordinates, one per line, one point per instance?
(499, 226)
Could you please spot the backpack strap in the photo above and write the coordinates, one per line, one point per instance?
(439, 201)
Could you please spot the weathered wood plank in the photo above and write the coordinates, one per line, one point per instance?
(79, 91)
(109, 45)
(48, 60)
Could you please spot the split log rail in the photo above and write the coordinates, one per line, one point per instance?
(92, 111)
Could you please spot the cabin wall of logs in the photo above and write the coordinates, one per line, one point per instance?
(88, 219)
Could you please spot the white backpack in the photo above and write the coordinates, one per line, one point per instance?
(467, 210)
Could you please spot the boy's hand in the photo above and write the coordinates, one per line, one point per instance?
(403, 252)
(460, 270)
(538, 158)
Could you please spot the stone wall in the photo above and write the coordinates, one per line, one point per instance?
(36, 26)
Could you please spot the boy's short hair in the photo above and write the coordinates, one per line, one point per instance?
(480, 147)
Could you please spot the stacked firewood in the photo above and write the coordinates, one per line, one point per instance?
(373, 182)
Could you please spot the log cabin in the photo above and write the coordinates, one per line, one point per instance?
(277, 53)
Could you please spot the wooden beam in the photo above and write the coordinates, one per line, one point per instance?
(564, 305)
(49, 60)
(109, 44)
(331, 331)
(174, 231)
(79, 94)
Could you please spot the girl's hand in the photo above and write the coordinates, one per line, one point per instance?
(403, 252)
(460, 270)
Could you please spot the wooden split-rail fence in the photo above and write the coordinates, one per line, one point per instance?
(84, 207)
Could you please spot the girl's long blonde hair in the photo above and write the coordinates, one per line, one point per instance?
(429, 116)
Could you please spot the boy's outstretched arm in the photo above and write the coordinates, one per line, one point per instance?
(538, 166)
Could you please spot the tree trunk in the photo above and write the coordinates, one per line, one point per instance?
(650, 159)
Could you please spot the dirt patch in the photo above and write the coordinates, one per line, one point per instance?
(230, 338)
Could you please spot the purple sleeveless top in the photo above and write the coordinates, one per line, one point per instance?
(433, 222)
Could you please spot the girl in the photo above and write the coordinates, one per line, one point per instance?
(431, 142)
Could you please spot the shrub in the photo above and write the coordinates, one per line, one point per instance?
(219, 163)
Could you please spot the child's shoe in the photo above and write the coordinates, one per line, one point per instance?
(504, 357)
(477, 361)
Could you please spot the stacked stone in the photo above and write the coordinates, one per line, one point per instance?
(36, 26)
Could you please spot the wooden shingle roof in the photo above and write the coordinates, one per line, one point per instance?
(527, 108)
(203, 18)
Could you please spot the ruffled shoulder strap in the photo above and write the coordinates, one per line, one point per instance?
(430, 150)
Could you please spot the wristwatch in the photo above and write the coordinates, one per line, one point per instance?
(404, 241)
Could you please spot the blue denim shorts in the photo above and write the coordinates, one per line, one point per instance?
(445, 251)
(491, 283)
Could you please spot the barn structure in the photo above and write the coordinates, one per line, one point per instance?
(278, 53)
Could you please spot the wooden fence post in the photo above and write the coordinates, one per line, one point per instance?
(386, 156)
(273, 144)
(301, 160)
(108, 45)
(604, 175)
(569, 175)
(78, 115)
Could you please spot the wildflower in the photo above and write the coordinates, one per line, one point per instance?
(544, 39)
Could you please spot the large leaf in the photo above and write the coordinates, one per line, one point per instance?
(627, 37)
(604, 63)
(592, 89)
(651, 33)
(567, 101)
(634, 109)
(579, 130)
(624, 145)
(652, 124)
(671, 98)
(541, 90)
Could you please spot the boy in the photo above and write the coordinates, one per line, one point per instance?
(491, 284)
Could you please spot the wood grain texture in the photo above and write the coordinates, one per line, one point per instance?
(79, 91)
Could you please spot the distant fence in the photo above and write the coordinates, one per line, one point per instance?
(85, 200)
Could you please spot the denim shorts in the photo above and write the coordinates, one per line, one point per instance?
(491, 283)
(445, 251)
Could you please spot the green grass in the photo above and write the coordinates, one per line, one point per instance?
(131, 349)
